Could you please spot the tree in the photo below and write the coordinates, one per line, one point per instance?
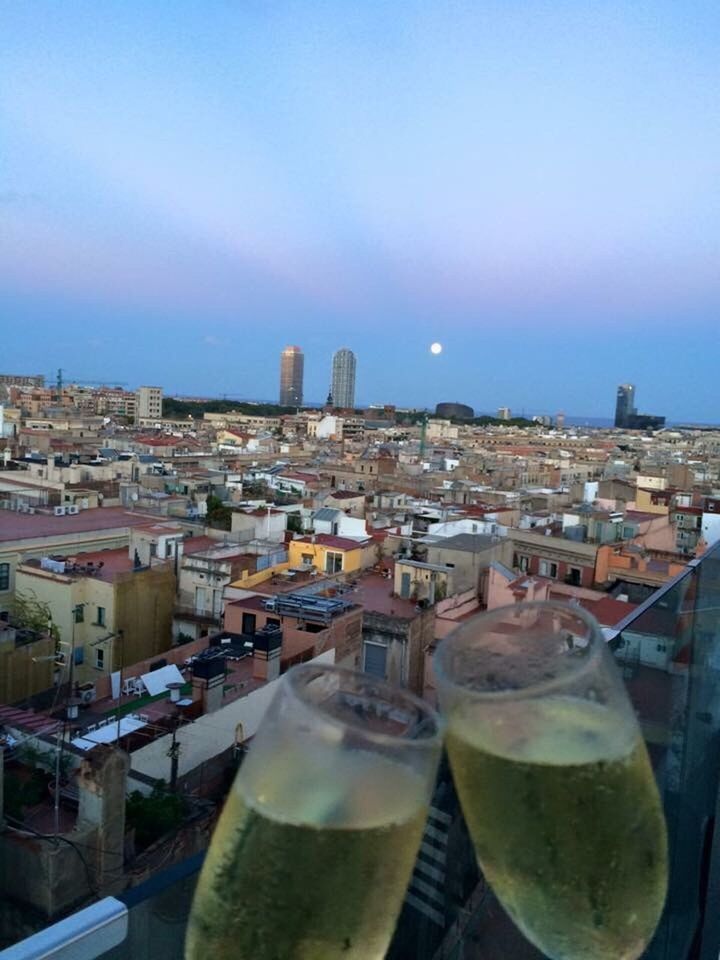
(218, 515)
(255, 488)
(294, 523)
(29, 613)
(155, 815)
(179, 409)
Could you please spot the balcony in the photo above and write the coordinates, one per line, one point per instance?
(668, 650)
(193, 615)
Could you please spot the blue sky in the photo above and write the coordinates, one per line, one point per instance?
(185, 188)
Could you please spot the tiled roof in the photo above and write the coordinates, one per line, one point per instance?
(198, 544)
(608, 611)
(27, 720)
(22, 526)
(105, 564)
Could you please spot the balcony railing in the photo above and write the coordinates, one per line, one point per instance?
(191, 613)
(668, 650)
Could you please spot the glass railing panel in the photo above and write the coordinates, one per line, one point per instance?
(157, 915)
(670, 658)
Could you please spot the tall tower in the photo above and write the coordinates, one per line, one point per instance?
(292, 364)
(343, 379)
(625, 404)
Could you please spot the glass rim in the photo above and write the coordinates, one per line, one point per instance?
(444, 648)
(427, 740)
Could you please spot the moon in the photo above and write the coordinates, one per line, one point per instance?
(436, 348)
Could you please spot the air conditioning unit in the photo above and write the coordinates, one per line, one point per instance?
(31, 510)
(72, 510)
(88, 693)
(59, 511)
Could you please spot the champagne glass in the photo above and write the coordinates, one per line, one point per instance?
(554, 780)
(316, 843)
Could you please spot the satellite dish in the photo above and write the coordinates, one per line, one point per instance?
(134, 497)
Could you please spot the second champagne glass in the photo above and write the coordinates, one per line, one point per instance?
(314, 849)
(554, 780)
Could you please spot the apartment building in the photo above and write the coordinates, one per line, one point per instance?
(148, 404)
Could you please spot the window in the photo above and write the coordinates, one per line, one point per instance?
(547, 569)
(521, 562)
(79, 613)
(4, 576)
(100, 617)
(307, 559)
(333, 562)
(374, 659)
(99, 658)
(248, 622)
(79, 656)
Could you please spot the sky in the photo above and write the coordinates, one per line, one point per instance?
(185, 188)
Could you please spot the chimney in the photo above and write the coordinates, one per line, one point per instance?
(102, 780)
(207, 683)
(266, 654)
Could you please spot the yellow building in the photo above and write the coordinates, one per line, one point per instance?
(652, 501)
(108, 610)
(23, 535)
(330, 554)
(416, 580)
(230, 437)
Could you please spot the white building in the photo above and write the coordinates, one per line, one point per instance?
(329, 428)
(451, 528)
(149, 404)
(262, 523)
(710, 528)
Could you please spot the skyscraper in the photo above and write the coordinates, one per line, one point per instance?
(625, 404)
(343, 379)
(292, 364)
